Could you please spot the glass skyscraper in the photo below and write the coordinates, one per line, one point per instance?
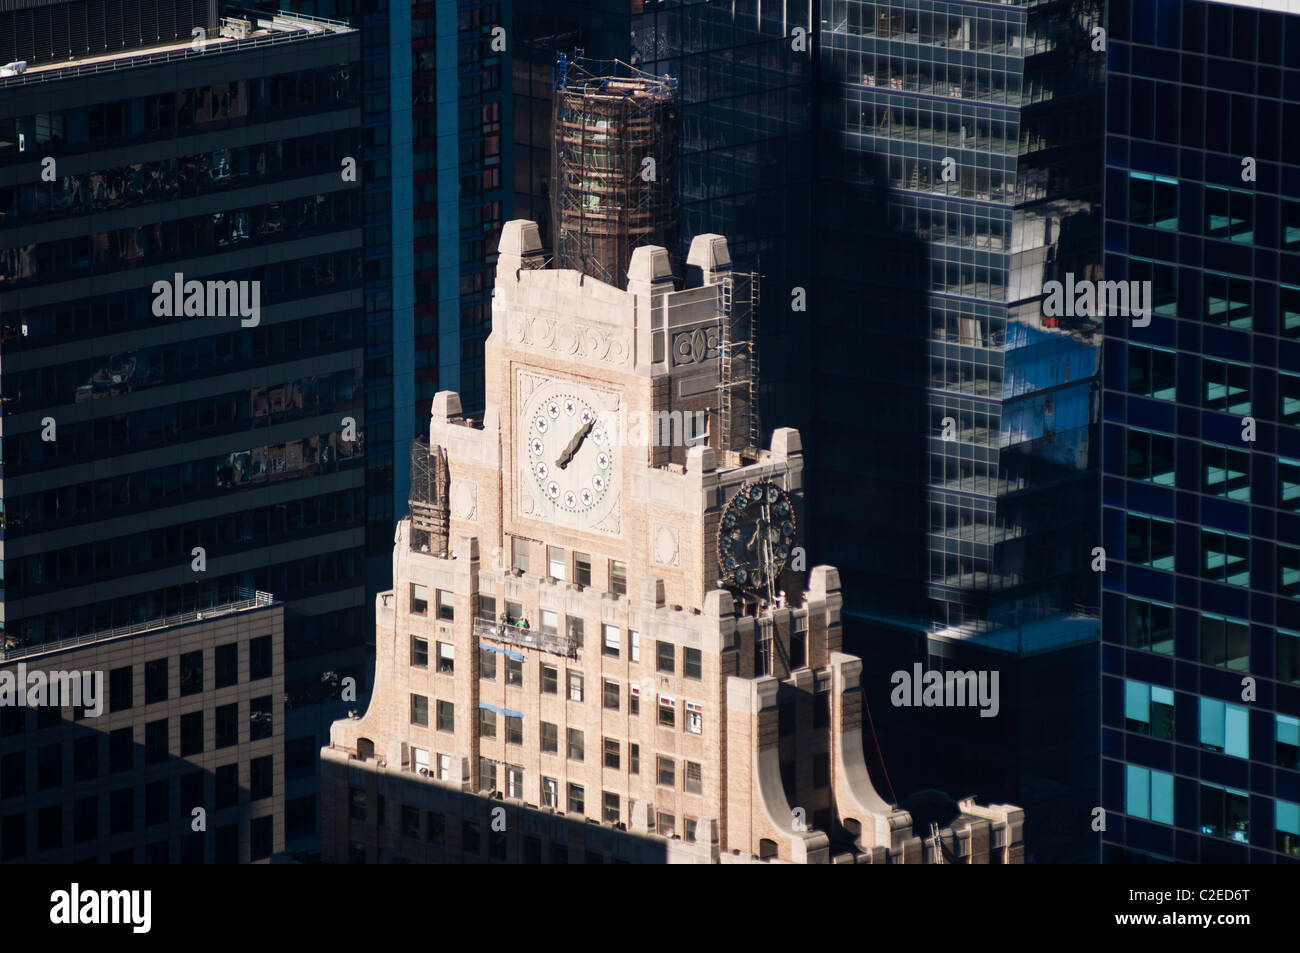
(157, 463)
(958, 172)
(1201, 435)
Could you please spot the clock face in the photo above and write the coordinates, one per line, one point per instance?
(755, 535)
(567, 454)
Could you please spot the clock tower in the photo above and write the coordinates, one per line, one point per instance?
(603, 613)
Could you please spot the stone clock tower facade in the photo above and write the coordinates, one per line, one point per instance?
(604, 642)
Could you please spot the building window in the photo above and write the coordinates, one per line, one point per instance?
(1288, 393)
(575, 749)
(1151, 372)
(1225, 812)
(261, 774)
(611, 754)
(1287, 747)
(192, 733)
(487, 775)
(470, 837)
(666, 772)
(1225, 643)
(514, 781)
(419, 599)
(191, 673)
(1225, 387)
(1287, 825)
(550, 622)
(121, 688)
(610, 640)
(1226, 301)
(691, 666)
(610, 808)
(1288, 571)
(1225, 472)
(259, 658)
(1290, 222)
(487, 606)
(155, 681)
(575, 628)
(435, 827)
(667, 712)
(1149, 794)
(633, 758)
(444, 768)
(550, 680)
(1150, 457)
(357, 804)
(446, 605)
(410, 821)
(693, 781)
(487, 663)
(420, 760)
(520, 553)
(1149, 626)
(227, 665)
(694, 717)
(665, 824)
(261, 722)
(419, 710)
(1152, 200)
(634, 640)
(664, 660)
(688, 829)
(419, 652)
(1164, 284)
(487, 723)
(1225, 557)
(582, 569)
(1149, 709)
(575, 686)
(514, 730)
(577, 801)
(550, 737)
(1287, 645)
(446, 658)
(611, 695)
(1149, 542)
(555, 562)
(446, 716)
(634, 699)
(1229, 214)
(227, 728)
(617, 577)
(514, 670)
(1288, 318)
(551, 793)
(1225, 728)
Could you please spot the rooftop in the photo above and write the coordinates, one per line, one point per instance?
(248, 600)
(235, 34)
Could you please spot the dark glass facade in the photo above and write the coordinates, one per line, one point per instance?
(959, 171)
(134, 439)
(1201, 517)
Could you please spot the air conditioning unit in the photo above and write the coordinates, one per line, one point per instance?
(424, 772)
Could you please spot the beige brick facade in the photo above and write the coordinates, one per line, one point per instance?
(703, 722)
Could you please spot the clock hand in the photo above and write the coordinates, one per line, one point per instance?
(567, 456)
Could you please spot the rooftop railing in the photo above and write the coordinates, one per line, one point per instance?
(252, 600)
(222, 45)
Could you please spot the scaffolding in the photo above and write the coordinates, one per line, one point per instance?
(614, 174)
(430, 520)
(738, 422)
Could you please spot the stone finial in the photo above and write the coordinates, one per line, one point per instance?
(786, 443)
(823, 580)
(650, 271)
(520, 246)
(709, 254)
(446, 406)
